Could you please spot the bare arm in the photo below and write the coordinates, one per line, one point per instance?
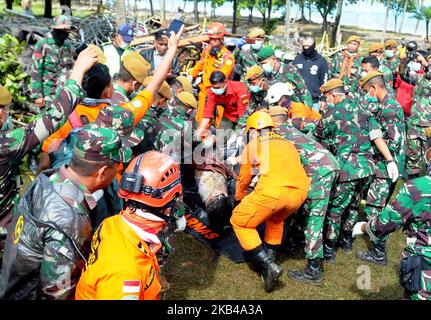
(383, 148)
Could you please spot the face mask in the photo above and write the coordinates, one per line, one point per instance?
(310, 50)
(60, 36)
(218, 92)
(371, 99)
(123, 45)
(8, 125)
(363, 74)
(414, 66)
(330, 105)
(351, 53)
(257, 45)
(389, 53)
(256, 88)
(268, 68)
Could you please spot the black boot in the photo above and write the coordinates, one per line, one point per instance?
(329, 251)
(271, 250)
(269, 271)
(312, 274)
(376, 255)
(346, 240)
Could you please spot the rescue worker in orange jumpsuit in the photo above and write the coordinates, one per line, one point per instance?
(214, 57)
(123, 263)
(281, 189)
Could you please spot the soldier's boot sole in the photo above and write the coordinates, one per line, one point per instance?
(302, 276)
(371, 257)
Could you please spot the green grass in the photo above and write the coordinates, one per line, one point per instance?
(38, 8)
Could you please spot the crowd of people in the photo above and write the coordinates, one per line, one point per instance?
(127, 144)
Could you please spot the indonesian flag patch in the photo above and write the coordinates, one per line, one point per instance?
(131, 286)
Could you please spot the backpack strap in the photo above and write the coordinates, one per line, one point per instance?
(74, 120)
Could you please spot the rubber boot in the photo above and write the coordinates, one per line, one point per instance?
(271, 250)
(269, 271)
(329, 251)
(312, 274)
(376, 255)
(346, 240)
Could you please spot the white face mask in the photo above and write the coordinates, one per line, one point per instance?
(257, 45)
(414, 66)
(363, 74)
(123, 45)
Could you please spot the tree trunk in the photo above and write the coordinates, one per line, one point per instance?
(121, 12)
(385, 22)
(250, 16)
(395, 22)
(325, 20)
(337, 22)
(406, 2)
(9, 4)
(234, 18)
(309, 12)
(205, 8)
(302, 4)
(162, 10)
(263, 18)
(151, 7)
(196, 10)
(287, 22)
(417, 26)
(66, 3)
(48, 9)
(269, 9)
(427, 24)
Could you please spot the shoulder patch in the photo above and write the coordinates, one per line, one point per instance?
(229, 62)
(131, 286)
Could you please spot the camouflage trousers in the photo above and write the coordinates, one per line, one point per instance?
(425, 292)
(416, 148)
(343, 207)
(377, 196)
(315, 208)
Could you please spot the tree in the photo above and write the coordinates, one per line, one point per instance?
(385, 22)
(424, 13)
(162, 10)
(48, 9)
(325, 7)
(151, 7)
(9, 4)
(121, 12)
(196, 10)
(67, 4)
(235, 15)
(337, 22)
(287, 22)
(403, 6)
(419, 4)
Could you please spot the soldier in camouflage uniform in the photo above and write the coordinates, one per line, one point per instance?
(376, 50)
(419, 120)
(390, 117)
(347, 131)
(57, 206)
(322, 169)
(246, 57)
(258, 88)
(278, 71)
(410, 210)
(16, 143)
(52, 56)
(345, 65)
(389, 60)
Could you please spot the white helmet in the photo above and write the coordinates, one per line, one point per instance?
(279, 89)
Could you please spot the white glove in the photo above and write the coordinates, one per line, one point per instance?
(357, 229)
(190, 77)
(392, 169)
(181, 224)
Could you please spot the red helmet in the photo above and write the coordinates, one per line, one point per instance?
(216, 30)
(153, 179)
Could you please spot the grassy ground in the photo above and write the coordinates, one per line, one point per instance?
(197, 272)
(38, 8)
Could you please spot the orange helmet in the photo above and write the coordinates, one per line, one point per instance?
(216, 30)
(153, 179)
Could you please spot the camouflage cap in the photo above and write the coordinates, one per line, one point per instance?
(331, 85)
(164, 90)
(256, 33)
(137, 66)
(63, 22)
(391, 42)
(101, 144)
(253, 72)
(187, 99)
(353, 38)
(265, 53)
(368, 77)
(101, 58)
(277, 111)
(122, 121)
(185, 83)
(5, 96)
(375, 47)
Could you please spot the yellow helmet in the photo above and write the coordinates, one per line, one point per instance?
(259, 120)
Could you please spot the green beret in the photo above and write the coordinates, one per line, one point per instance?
(265, 53)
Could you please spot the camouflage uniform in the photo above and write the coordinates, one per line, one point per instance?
(119, 96)
(289, 73)
(345, 130)
(410, 210)
(391, 65)
(335, 65)
(49, 62)
(256, 102)
(245, 58)
(148, 125)
(15, 144)
(390, 117)
(322, 169)
(52, 229)
(420, 119)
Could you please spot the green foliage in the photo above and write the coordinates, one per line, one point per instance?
(11, 74)
(270, 25)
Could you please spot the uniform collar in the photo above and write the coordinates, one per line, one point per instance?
(120, 89)
(88, 196)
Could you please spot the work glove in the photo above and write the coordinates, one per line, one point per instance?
(240, 43)
(181, 224)
(357, 229)
(392, 169)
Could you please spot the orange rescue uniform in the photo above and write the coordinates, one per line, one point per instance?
(281, 189)
(300, 110)
(224, 62)
(120, 267)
